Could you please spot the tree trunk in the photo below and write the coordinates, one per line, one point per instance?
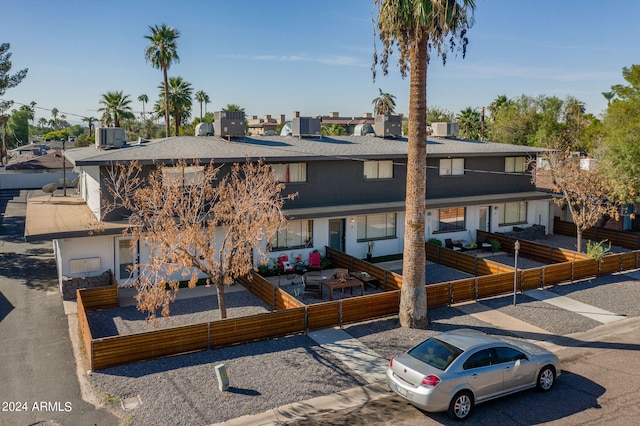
(166, 102)
(221, 301)
(176, 120)
(413, 297)
(579, 240)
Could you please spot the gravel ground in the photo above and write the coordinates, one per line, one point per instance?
(125, 320)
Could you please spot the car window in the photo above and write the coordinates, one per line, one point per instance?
(481, 358)
(436, 353)
(509, 354)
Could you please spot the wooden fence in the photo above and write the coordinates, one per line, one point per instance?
(626, 239)
(290, 316)
(532, 250)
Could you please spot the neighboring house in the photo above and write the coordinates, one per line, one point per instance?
(347, 123)
(351, 191)
(260, 126)
(34, 166)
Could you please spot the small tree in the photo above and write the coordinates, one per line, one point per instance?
(587, 192)
(195, 222)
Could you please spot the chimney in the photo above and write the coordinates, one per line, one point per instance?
(368, 115)
(334, 114)
(282, 119)
(296, 114)
(267, 118)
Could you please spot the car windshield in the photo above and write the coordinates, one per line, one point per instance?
(436, 353)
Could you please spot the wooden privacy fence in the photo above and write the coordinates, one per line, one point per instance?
(626, 239)
(532, 250)
(291, 316)
(463, 261)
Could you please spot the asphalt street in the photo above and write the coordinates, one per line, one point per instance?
(38, 371)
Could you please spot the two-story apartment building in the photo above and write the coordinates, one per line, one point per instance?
(351, 191)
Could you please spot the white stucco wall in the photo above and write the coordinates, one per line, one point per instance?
(90, 188)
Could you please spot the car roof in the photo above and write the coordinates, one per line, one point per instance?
(466, 338)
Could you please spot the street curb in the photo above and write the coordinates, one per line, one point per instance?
(303, 410)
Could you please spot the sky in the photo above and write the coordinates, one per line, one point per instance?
(276, 57)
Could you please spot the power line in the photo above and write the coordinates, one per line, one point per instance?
(43, 109)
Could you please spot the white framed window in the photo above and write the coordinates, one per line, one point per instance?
(515, 164)
(451, 219)
(296, 234)
(376, 226)
(451, 166)
(182, 176)
(513, 213)
(382, 169)
(290, 172)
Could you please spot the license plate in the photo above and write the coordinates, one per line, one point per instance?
(401, 391)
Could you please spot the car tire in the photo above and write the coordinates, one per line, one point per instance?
(461, 405)
(546, 378)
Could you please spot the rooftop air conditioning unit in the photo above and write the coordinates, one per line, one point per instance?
(305, 126)
(445, 130)
(388, 126)
(110, 137)
(229, 123)
(204, 129)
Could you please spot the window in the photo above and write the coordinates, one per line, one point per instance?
(451, 166)
(482, 358)
(451, 219)
(376, 226)
(515, 164)
(436, 353)
(297, 234)
(512, 213)
(290, 172)
(182, 176)
(509, 354)
(378, 169)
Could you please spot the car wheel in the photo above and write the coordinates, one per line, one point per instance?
(546, 378)
(461, 405)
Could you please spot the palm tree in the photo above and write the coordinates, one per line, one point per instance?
(179, 100)
(115, 108)
(608, 96)
(33, 113)
(54, 113)
(144, 99)
(161, 53)
(232, 107)
(89, 121)
(202, 97)
(42, 122)
(384, 104)
(470, 124)
(415, 26)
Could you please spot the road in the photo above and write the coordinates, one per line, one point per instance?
(39, 383)
(600, 385)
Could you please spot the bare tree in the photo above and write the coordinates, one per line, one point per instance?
(587, 191)
(196, 223)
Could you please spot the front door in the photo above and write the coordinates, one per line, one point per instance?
(483, 223)
(336, 234)
(126, 257)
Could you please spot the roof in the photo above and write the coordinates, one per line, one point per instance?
(51, 160)
(284, 148)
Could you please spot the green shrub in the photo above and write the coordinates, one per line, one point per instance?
(435, 242)
(495, 245)
(597, 250)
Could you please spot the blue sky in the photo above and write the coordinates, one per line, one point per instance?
(276, 57)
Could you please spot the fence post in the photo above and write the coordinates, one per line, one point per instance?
(572, 271)
(475, 288)
(340, 314)
(306, 319)
(450, 294)
(542, 278)
(209, 335)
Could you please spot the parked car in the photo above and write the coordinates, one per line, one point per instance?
(455, 370)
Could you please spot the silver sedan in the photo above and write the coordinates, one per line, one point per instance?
(455, 370)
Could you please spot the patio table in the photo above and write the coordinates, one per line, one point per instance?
(349, 282)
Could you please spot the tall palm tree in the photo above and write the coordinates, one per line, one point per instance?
(54, 113)
(33, 113)
(202, 97)
(161, 53)
(42, 122)
(179, 100)
(415, 26)
(115, 107)
(470, 124)
(608, 96)
(144, 99)
(89, 121)
(384, 104)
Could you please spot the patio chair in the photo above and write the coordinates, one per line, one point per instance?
(286, 267)
(448, 243)
(312, 286)
(314, 263)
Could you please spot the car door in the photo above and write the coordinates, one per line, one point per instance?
(484, 374)
(518, 372)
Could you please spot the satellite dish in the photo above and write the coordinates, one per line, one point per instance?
(50, 188)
